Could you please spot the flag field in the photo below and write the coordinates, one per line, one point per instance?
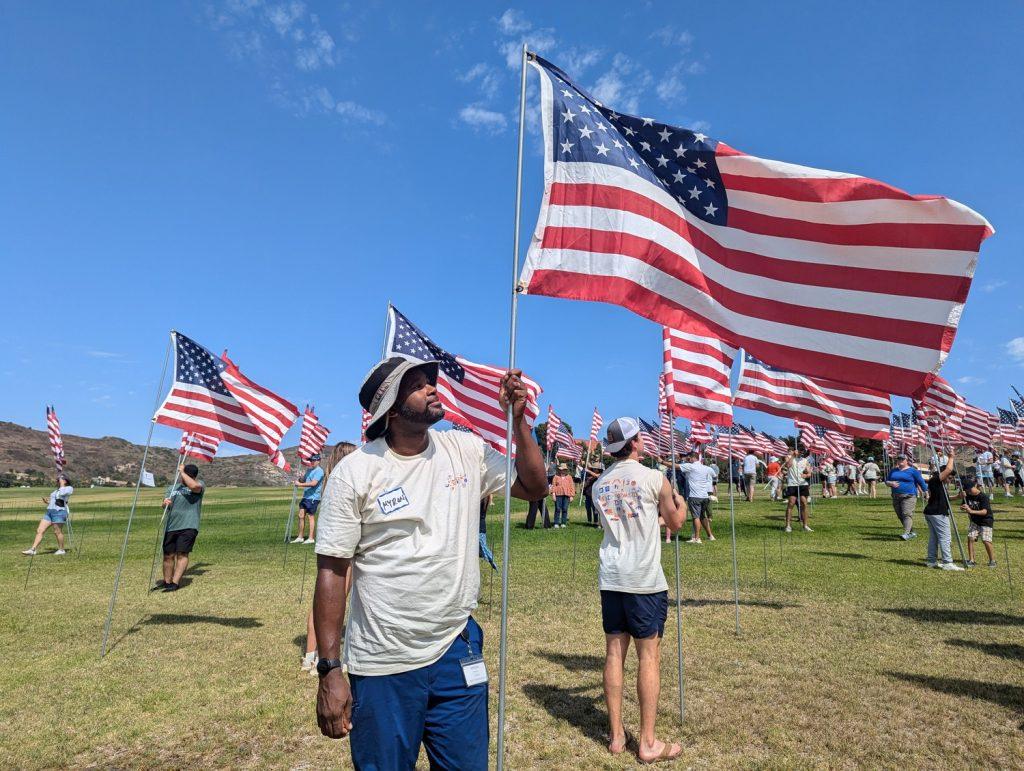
(852, 654)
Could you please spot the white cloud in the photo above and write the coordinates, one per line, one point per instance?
(970, 380)
(671, 88)
(992, 286)
(576, 61)
(512, 22)
(355, 111)
(669, 36)
(104, 354)
(485, 76)
(482, 119)
(1015, 348)
(621, 86)
(283, 17)
(319, 54)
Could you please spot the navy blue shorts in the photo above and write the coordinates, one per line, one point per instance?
(309, 506)
(638, 615)
(393, 714)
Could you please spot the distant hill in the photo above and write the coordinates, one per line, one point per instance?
(27, 451)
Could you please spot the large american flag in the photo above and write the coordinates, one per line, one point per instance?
(700, 432)
(56, 438)
(649, 437)
(1008, 431)
(978, 427)
(825, 273)
(697, 368)
(211, 396)
(853, 409)
(596, 423)
(823, 441)
(942, 405)
(198, 446)
(313, 436)
(468, 391)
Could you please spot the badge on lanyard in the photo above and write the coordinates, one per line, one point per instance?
(474, 669)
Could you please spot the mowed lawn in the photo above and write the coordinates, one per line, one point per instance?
(851, 654)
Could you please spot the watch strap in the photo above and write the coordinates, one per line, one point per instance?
(324, 666)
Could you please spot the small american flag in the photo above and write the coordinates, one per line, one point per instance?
(198, 446)
(554, 423)
(212, 397)
(596, 423)
(313, 436)
(1018, 407)
(649, 437)
(700, 432)
(1009, 432)
(468, 391)
(827, 273)
(365, 424)
(570, 451)
(978, 427)
(696, 368)
(56, 438)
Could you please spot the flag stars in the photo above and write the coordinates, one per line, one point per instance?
(662, 161)
(629, 132)
(566, 147)
(699, 163)
(567, 93)
(698, 137)
(678, 176)
(680, 151)
(633, 163)
(601, 149)
(585, 132)
(648, 121)
(567, 116)
(618, 144)
(646, 147)
(710, 209)
(694, 193)
(664, 134)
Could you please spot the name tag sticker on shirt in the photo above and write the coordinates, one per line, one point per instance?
(474, 670)
(392, 501)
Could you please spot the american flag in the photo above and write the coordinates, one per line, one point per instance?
(1018, 407)
(596, 423)
(665, 413)
(696, 368)
(313, 436)
(198, 446)
(56, 438)
(211, 396)
(364, 424)
(1009, 432)
(978, 427)
(554, 423)
(757, 440)
(778, 446)
(852, 409)
(943, 402)
(830, 274)
(468, 391)
(821, 440)
(649, 437)
(700, 432)
(741, 440)
(570, 451)
(562, 436)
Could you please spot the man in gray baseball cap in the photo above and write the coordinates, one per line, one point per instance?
(404, 510)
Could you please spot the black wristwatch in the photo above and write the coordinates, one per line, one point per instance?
(323, 666)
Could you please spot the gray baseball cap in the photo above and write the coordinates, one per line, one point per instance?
(620, 431)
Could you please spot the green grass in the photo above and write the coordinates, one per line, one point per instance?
(851, 652)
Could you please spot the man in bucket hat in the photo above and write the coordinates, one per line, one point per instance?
(403, 511)
(630, 498)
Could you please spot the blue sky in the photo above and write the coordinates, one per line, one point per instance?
(264, 176)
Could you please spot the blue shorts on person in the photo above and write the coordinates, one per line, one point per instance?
(393, 714)
(638, 615)
(56, 516)
(309, 505)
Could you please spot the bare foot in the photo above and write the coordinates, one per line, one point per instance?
(658, 752)
(617, 745)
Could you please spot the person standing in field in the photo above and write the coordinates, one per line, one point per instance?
(403, 510)
(978, 506)
(936, 515)
(592, 473)
(851, 477)
(750, 462)
(984, 463)
(701, 480)
(634, 594)
(905, 481)
(870, 473)
(312, 484)
(797, 471)
(184, 503)
(773, 471)
(562, 490)
(56, 516)
(310, 659)
(1008, 473)
(828, 479)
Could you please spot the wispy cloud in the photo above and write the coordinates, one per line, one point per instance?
(96, 354)
(485, 76)
(992, 286)
(512, 22)
(480, 118)
(1015, 349)
(970, 380)
(672, 37)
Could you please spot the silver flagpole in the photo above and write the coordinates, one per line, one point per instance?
(503, 639)
(732, 523)
(679, 586)
(135, 499)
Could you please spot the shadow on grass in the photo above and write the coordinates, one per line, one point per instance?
(1009, 696)
(1002, 650)
(842, 554)
(237, 622)
(574, 663)
(911, 563)
(745, 603)
(950, 616)
(573, 706)
(888, 538)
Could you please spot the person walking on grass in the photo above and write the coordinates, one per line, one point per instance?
(592, 473)
(184, 504)
(936, 515)
(870, 472)
(310, 659)
(562, 490)
(701, 480)
(56, 516)
(1008, 473)
(984, 463)
(828, 479)
(773, 470)
(634, 594)
(750, 462)
(312, 485)
(403, 510)
(905, 481)
(797, 470)
(978, 506)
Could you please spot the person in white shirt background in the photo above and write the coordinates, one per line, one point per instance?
(701, 481)
(56, 516)
(750, 462)
(797, 471)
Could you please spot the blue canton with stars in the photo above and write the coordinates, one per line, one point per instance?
(195, 365)
(1006, 417)
(410, 342)
(677, 159)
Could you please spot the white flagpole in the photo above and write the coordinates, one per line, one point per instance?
(679, 584)
(135, 499)
(503, 638)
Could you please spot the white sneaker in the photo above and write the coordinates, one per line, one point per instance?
(309, 660)
(694, 540)
(711, 538)
(310, 540)
(931, 564)
(297, 540)
(807, 529)
(29, 552)
(952, 566)
(59, 552)
(789, 529)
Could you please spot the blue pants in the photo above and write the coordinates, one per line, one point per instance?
(561, 509)
(393, 714)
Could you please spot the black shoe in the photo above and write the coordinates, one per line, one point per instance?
(161, 584)
(170, 588)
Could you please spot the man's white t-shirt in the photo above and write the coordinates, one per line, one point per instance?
(750, 464)
(410, 525)
(700, 478)
(985, 462)
(795, 473)
(626, 495)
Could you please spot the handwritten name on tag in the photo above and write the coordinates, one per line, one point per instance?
(392, 501)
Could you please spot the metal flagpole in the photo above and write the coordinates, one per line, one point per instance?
(732, 524)
(679, 591)
(288, 526)
(503, 640)
(135, 499)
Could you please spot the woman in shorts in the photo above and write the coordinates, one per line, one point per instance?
(56, 516)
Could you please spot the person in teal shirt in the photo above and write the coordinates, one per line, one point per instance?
(184, 504)
(313, 484)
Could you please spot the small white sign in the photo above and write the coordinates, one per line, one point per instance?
(392, 501)
(147, 479)
(474, 670)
